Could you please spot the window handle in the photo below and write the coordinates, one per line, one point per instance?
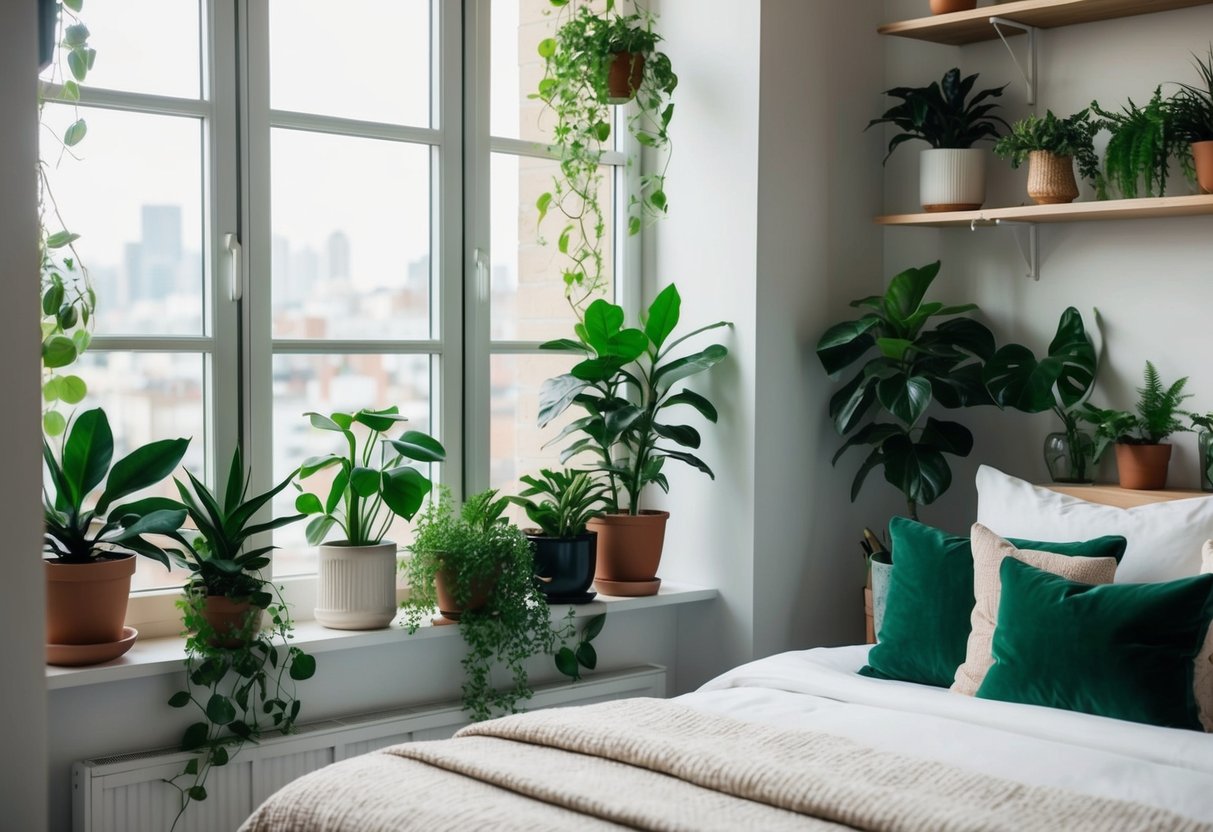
(235, 275)
(482, 275)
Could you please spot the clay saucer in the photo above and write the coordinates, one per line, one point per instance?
(628, 589)
(76, 655)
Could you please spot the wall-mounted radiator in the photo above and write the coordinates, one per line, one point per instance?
(124, 793)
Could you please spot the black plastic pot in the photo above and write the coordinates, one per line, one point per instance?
(565, 566)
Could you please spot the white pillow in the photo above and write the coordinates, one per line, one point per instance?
(1164, 539)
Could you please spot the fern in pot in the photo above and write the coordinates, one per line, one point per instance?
(1051, 145)
(1144, 141)
(952, 174)
(561, 503)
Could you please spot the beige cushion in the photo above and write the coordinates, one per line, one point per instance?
(988, 551)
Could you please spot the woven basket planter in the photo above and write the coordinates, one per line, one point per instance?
(1051, 178)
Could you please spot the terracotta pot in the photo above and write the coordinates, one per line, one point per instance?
(1051, 178)
(444, 588)
(1142, 467)
(564, 565)
(623, 77)
(228, 619)
(629, 546)
(86, 602)
(356, 586)
(1202, 153)
(949, 6)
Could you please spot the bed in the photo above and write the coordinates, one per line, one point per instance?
(805, 740)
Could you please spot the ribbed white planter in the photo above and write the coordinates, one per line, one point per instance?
(952, 179)
(356, 586)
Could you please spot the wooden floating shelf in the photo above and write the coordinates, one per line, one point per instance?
(1112, 209)
(1114, 495)
(973, 26)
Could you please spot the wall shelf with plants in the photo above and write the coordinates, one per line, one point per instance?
(1111, 209)
(973, 26)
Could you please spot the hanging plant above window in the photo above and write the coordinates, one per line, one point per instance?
(595, 61)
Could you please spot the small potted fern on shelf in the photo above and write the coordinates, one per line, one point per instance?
(1142, 458)
(1051, 145)
(1144, 142)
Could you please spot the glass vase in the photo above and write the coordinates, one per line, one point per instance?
(1204, 439)
(1069, 457)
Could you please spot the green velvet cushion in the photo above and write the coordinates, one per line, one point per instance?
(1118, 650)
(926, 626)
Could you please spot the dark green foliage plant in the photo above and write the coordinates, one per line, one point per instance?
(1062, 382)
(371, 484)
(1073, 136)
(479, 553)
(567, 501)
(574, 87)
(1157, 415)
(1143, 143)
(1192, 105)
(77, 534)
(627, 384)
(570, 660)
(884, 405)
(942, 114)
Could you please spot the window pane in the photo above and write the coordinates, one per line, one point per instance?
(351, 224)
(325, 383)
(516, 69)
(528, 302)
(147, 397)
(132, 36)
(362, 59)
(135, 197)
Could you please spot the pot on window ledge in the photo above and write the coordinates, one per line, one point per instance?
(356, 586)
(85, 610)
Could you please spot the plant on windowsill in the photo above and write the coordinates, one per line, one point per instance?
(477, 569)
(565, 550)
(1143, 143)
(596, 60)
(239, 676)
(370, 486)
(1192, 113)
(952, 173)
(1061, 382)
(1142, 457)
(1203, 423)
(93, 549)
(885, 403)
(1050, 145)
(627, 382)
(67, 298)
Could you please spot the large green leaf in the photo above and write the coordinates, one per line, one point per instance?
(946, 437)
(874, 460)
(1016, 379)
(364, 481)
(663, 316)
(87, 453)
(142, 468)
(379, 420)
(690, 397)
(906, 397)
(684, 435)
(404, 490)
(319, 420)
(844, 343)
(919, 471)
(965, 335)
(1079, 362)
(906, 291)
(874, 433)
(154, 522)
(602, 320)
(681, 368)
(413, 444)
(851, 403)
(555, 396)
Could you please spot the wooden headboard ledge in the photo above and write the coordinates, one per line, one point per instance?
(1114, 495)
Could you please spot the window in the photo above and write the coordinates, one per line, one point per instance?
(281, 214)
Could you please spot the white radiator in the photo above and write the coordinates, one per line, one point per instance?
(123, 793)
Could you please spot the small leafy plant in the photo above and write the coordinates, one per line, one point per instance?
(1157, 416)
(1143, 143)
(1192, 105)
(76, 534)
(1073, 136)
(627, 383)
(370, 476)
(577, 64)
(942, 114)
(570, 660)
(480, 556)
(913, 367)
(569, 500)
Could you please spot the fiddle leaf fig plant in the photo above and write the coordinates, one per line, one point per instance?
(885, 404)
(371, 483)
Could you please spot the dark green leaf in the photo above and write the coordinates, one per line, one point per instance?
(414, 444)
(843, 344)
(920, 472)
(851, 403)
(555, 396)
(379, 420)
(220, 710)
(58, 351)
(303, 667)
(593, 627)
(684, 435)
(196, 793)
(87, 453)
(907, 398)
(142, 468)
(587, 656)
(690, 397)
(364, 481)
(946, 437)
(566, 663)
(680, 368)
(195, 736)
(663, 316)
(404, 490)
(179, 699)
(308, 503)
(907, 290)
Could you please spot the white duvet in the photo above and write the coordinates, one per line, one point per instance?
(819, 690)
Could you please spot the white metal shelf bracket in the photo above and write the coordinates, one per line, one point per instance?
(1029, 74)
(1026, 237)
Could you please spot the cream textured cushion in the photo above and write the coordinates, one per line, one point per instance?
(1164, 539)
(988, 552)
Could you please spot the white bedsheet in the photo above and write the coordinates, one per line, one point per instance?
(819, 690)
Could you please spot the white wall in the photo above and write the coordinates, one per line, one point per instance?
(22, 685)
(1151, 280)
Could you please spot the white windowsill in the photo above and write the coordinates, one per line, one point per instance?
(158, 656)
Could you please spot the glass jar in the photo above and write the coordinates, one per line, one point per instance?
(1204, 439)
(1069, 457)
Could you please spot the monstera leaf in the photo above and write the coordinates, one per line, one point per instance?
(1060, 381)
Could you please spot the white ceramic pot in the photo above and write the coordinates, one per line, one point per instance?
(356, 586)
(952, 179)
(882, 573)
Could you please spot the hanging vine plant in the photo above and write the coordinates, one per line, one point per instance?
(597, 60)
(67, 297)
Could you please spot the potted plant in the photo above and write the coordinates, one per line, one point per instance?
(356, 583)
(949, 6)
(952, 175)
(1142, 457)
(1061, 382)
(92, 550)
(1204, 440)
(1143, 142)
(1051, 145)
(628, 385)
(884, 405)
(565, 551)
(477, 569)
(1192, 113)
(597, 59)
(239, 676)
